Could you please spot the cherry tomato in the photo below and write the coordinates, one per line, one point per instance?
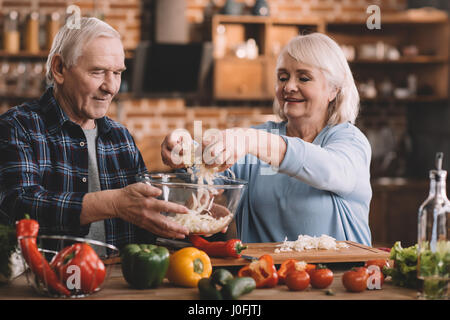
(321, 277)
(292, 264)
(297, 280)
(355, 280)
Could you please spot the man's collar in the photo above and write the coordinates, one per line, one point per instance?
(56, 116)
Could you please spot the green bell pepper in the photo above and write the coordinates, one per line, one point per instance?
(144, 265)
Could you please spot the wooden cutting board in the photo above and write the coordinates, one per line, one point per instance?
(354, 253)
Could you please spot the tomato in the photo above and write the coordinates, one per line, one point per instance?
(297, 280)
(355, 280)
(381, 263)
(292, 264)
(321, 277)
(310, 267)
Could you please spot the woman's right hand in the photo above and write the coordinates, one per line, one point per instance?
(176, 149)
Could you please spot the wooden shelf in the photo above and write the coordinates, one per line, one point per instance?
(404, 60)
(428, 30)
(411, 16)
(224, 18)
(24, 55)
(417, 99)
(129, 54)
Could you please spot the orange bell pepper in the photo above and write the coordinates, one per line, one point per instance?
(187, 266)
(290, 265)
(263, 271)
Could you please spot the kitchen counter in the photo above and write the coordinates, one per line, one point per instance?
(116, 288)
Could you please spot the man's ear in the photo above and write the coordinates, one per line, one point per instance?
(57, 68)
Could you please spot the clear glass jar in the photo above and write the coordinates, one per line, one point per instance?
(11, 34)
(433, 263)
(32, 33)
(53, 25)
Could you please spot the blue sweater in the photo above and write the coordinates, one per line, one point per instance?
(321, 187)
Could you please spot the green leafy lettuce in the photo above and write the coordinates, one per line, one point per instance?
(7, 246)
(434, 268)
(404, 272)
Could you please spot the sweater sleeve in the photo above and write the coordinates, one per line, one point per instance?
(335, 165)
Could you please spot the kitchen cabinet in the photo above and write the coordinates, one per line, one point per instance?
(240, 72)
(411, 49)
(394, 210)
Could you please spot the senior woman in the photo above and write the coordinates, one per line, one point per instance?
(308, 174)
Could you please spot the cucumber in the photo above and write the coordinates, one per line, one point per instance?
(207, 290)
(234, 288)
(221, 277)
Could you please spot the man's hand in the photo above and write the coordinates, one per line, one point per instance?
(136, 204)
(176, 149)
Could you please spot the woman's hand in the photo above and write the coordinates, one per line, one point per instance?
(224, 148)
(177, 149)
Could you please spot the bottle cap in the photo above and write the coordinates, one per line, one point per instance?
(438, 173)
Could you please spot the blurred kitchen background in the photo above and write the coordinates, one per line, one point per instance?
(224, 54)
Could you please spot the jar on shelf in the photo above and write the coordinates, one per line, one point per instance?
(53, 24)
(11, 34)
(32, 33)
(433, 262)
(4, 72)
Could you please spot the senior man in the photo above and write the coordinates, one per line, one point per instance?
(68, 165)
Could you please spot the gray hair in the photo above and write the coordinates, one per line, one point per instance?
(322, 52)
(69, 42)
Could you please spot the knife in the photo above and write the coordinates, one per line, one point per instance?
(247, 257)
(175, 244)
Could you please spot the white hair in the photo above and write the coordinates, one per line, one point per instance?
(322, 52)
(69, 42)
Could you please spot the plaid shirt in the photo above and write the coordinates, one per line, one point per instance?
(44, 169)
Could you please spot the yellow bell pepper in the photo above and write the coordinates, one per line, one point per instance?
(187, 266)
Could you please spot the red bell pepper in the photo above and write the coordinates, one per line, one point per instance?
(28, 229)
(231, 248)
(80, 260)
(263, 271)
(290, 265)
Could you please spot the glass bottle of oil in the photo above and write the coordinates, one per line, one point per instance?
(433, 263)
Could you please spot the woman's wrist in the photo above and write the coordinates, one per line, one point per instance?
(266, 146)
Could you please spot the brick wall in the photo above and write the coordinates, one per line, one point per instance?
(150, 120)
(123, 15)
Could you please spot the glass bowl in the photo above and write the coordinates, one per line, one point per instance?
(75, 279)
(212, 205)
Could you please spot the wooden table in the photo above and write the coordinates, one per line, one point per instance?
(116, 288)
